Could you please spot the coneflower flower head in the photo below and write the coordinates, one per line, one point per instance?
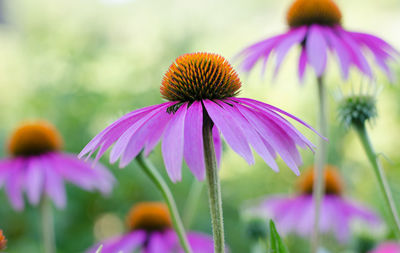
(38, 166)
(3, 241)
(200, 87)
(294, 214)
(150, 231)
(316, 25)
(309, 12)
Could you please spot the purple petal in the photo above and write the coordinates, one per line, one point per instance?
(356, 52)
(240, 113)
(158, 121)
(126, 243)
(172, 144)
(6, 166)
(231, 132)
(217, 145)
(54, 185)
(193, 141)
(341, 50)
(295, 36)
(200, 243)
(302, 64)
(316, 49)
(157, 243)
(34, 180)
(14, 184)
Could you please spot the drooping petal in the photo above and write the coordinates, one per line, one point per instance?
(356, 52)
(239, 113)
(172, 144)
(252, 54)
(217, 145)
(157, 243)
(82, 174)
(122, 142)
(341, 49)
(231, 132)
(200, 243)
(193, 141)
(302, 64)
(14, 184)
(54, 185)
(316, 47)
(126, 243)
(138, 140)
(5, 167)
(34, 180)
(293, 37)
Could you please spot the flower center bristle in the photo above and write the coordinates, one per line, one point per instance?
(34, 138)
(308, 12)
(149, 216)
(199, 76)
(333, 182)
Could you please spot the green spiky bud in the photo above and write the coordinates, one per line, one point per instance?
(356, 110)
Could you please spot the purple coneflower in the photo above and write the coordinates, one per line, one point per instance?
(38, 167)
(316, 25)
(202, 87)
(151, 232)
(296, 214)
(387, 247)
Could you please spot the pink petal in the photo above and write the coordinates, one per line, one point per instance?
(231, 132)
(341, 50)
(193, 141)
(14, 185)
(34, 180)
(217, 145)
(172, 144)
(316, 49)
(54, 184)
(302, 64)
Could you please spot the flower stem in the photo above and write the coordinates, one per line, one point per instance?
(381, 177)
(157, 179)
(47, 226)
(214, 188)
(320, 160)
(192, 202)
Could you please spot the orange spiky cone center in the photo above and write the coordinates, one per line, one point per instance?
(333, 182)
(3, 241)
(199, 76)
(149, 216)
(34, 138)
(308, 12)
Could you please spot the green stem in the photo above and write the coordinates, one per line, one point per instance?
(157, 179)
(320, 161)
(214, 188)
(47, 226)
(192, 202)
(380, 176)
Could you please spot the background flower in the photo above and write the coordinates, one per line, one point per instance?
(316, 25)
(296, 214)
(38, 167)
(151, 231)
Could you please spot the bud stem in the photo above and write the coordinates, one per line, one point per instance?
(214, 188)
(380, 176)
(157, 179)
(47, 226)
(320, 161)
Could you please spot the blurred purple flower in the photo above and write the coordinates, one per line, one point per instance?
(151, 232)
(387, 247)
(315, 25)
(296, 213)
(38, 167)
(200, 87)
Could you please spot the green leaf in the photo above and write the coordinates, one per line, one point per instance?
(276, 243)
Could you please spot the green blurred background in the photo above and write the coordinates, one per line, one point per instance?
(81, 64)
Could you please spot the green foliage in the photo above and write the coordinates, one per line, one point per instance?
(276, 243)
